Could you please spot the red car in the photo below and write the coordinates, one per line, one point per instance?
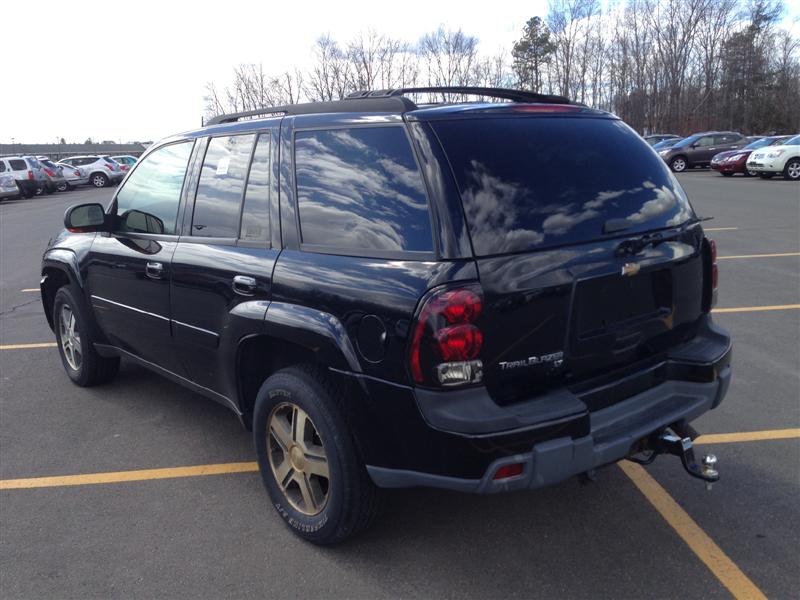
(734, 161)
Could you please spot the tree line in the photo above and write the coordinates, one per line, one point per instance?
(675, 66)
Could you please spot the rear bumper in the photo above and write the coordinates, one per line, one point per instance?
(567, 438)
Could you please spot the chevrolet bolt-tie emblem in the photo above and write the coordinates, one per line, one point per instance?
(630, 269)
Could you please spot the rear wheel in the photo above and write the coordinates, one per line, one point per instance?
(678, 164)
(792, 170)
(308, 459)
(84, 366)
(99, 180)
(62, 187)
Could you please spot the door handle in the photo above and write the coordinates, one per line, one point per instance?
(244, 285)
(154, 270)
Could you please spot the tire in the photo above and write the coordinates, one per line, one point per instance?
(62, 187)
(99, 180)
(750, 173)
(792, 170)
(84, 366)
(322, 511)
(766, 175)
(679, 164)
(725, 174)
(29, 193)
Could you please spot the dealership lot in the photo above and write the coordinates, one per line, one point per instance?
(216, 535)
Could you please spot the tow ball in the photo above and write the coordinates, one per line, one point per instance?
(667, 441)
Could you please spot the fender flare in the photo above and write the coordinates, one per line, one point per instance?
(65, 261)
(320, 332)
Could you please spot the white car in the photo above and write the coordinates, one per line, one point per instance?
(776, 160)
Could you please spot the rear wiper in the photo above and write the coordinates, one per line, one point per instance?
(636, 245)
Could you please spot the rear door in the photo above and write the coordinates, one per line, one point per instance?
(558, 208)
(222, 267)
(128, 270)
(728, 141)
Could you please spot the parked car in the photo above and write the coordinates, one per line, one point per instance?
(55, 180)
(44, 185)
(74, 176)
(734, 161)
(125, 161)
(432, 299)
(697, 150)
(8, 187)
(24, 170)
(102, 171)
(777, 160)
(655, 138)
(662, 145)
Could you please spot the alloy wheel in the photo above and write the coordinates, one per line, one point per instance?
(678, 165)
(98, 181)
(297, 458)
(793, 170)
(70, 338)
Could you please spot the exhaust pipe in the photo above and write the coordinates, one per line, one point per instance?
(668, 441)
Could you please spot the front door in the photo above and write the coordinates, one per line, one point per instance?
(128, 270)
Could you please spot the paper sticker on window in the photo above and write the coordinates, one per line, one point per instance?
(222, 165)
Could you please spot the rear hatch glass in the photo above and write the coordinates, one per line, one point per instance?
(558, 209)
(537, 182)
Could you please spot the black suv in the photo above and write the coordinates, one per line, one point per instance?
(697, 150)
(471, 296)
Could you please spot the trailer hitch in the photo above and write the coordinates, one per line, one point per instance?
(667, 441)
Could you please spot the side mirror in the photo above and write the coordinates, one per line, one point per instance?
(85, 218)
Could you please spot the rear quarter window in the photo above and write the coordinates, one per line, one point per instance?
(360, 189)
(536, 182)
(18, 165)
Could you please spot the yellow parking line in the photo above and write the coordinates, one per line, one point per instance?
(720, 228)
(758, 255)
(748, 436)
(123, 476)
(27, 346)
(31, 290)
(756, 308)
(690, 532)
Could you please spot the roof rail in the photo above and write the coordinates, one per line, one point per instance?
(387, 104)
(514, 95)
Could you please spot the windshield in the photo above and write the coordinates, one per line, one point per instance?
(795, 141)
(667, 143)
(758, 144)
(534, 182)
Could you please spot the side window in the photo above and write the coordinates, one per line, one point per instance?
(723, 139)
(706, 141)
(360, 189)
(2, 166)
(255, 214)
(219, 192)
(148, 202)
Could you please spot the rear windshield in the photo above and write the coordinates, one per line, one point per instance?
(536, 182)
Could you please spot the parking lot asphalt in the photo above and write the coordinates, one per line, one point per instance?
(216, 535)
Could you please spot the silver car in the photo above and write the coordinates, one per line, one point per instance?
(8, 187)
(102, 170)
(73, 176)
(54, 178)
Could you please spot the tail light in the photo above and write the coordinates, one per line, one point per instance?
(49, 172)
(446, 340)
(30, 175)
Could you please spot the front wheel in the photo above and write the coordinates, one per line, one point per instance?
(792, 170)
(84, 366)
(308, 459)
(62, 187)
(678, 164)
(99, 180)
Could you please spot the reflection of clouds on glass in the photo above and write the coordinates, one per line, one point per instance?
(360, 188)
(155, 186)
(491, 206)
(219, 193)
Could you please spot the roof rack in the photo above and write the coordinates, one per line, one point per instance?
(391, 100)
(378, 104)
(514, 95)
